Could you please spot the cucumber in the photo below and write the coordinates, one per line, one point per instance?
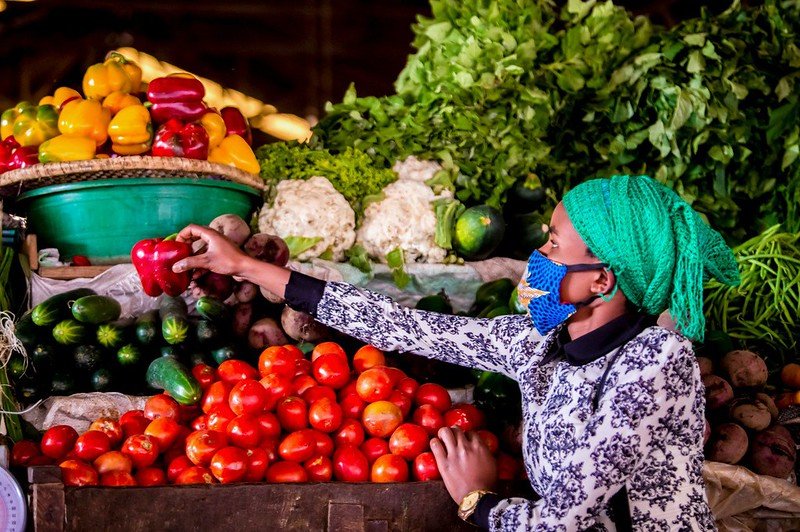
(129, 355)
(167, 374)
(198, 357)
(212, 309)
(435, 303)
(222, 354)
(69, 332)
(102, 380)
(17, 367)
(87, 357)
(147, 327)
(514, 303)
(112, 335)
(493, 293)
(27, 331)
(62, 383)
(96, 309)
(57, 307)
(478, 232)
(43, 358)
(502, 310)
(174, 351)
(206, 332)
(174, 320)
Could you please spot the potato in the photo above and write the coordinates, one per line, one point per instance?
(706, 366)
(728, 444)
(718, 392)
(744, 369)
(264, 333)
(231, 226)
(773, 452)
(750, 413)
(302, 327)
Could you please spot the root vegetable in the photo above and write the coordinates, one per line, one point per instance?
(744, 369)
(751, 413)
(301, 326)
(245, 292)
(706, 432)
(706, 366)
(767, 400)
(232, 226)
(242, 318)
(718, 392)
(215, 285)
(267, 248)
(272, 298)
(773, 452)
(264, 333)
(728, 444)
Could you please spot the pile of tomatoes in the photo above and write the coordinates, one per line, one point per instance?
(292, 419)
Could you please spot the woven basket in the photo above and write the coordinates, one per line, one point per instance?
(40, 175)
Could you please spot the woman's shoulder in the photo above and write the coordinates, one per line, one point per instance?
(656, 346)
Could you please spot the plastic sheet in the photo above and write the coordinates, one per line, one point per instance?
(80, 409)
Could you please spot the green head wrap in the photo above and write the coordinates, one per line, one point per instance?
(658, 247)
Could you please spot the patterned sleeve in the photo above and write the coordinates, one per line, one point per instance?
(500, 345)
(649, 399)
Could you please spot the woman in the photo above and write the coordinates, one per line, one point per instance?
(613, 405)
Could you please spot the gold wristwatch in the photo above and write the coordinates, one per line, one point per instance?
(470, 503)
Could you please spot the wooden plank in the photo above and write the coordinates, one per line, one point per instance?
(71, 272)
(345, 517)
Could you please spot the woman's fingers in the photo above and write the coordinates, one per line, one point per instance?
(193, 232)
(189, 263)
(448, 439)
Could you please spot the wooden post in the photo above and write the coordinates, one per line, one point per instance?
(48, 511)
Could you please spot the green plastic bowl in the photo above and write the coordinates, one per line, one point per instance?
(103, 219)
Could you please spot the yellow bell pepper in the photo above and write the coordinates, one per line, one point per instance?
(115, 74)
(61, 96)
(214, 125)
(67, 148)
(29, 124)
(117, 101)
(131, 131)
(85, 118)
(8, 118)
(234, 151)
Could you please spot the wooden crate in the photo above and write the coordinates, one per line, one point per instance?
(336, 506)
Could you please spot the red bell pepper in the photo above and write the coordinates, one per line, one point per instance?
(6, 151)
(13, 156)
(176, 139)
(176, 96)
(153, 259)
(236, 123)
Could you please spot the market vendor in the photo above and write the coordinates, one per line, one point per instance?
(613, 405)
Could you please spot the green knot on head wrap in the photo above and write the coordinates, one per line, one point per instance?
(658, 247)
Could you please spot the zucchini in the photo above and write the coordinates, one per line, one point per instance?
(69, 332)
(57, 307)
(102, 380)
(96, 309)
(147, 328)
(212, 309)
(207, 332)
(129, 355)
(174, 320)
(167, 374)
(87, 357)
(27, 331)
(222, 354)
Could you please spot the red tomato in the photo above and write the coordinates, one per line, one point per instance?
(373, 448)
(319, 469)
(490, 440)
(395, 374)
(368, 357)
(219, 417)
(296, 351)
(78, 473)
(302, 383)
(162, 405)
(117, 478)
(205, 375)
(173, 452)
(348, 390)
(352, 406)
(216, 395)
(91, 444)
(277, 359)
(277, 388)
(408, 386)
(433, 394)
(188, 413)
(298, 446)
(350, 464)
(402, 401)
(164, 430)
(325, 415)
(200, 422)
(302, 366)
(141, 449)
(269, 424)
(112, 461)
(229, 464)
(58, 440)
(331, 370)
(292, 413)
(257, 462)
(328, 348)
(232, 371)
(381, 418)
(247, 397)
(389, 468)
(110, 427)
(374, 385)
(317, 392)
(429, 418)
(507, 467)
(425, 467)
(133, 422)
(324, 445)
(286, 472)
(464, 416)
(23, 452)
(350, 432)
(408, 441)
(195, 475)
(41, 460)
(271, 447)
(177, 466)
(202, 445)
(151, 476)
(244, 431)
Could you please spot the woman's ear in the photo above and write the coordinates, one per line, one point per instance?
(604, 282)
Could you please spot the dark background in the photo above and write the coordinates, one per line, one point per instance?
(294, 54)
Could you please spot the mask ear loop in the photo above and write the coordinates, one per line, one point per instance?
(608, 297)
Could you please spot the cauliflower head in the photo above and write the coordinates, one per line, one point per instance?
(416, 170)
(311, 208)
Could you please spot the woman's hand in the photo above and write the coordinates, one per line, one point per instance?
(220, 256)
(464, 462)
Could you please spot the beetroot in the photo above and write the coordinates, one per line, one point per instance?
(728, 443)
(264, 333)
(744, 369)
(750, 413)
(302, 327)
(267, 248)
(718, 392)
(773, 452)
(231, 226)
(706, 366)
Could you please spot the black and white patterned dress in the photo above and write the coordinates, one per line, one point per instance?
(645, 434)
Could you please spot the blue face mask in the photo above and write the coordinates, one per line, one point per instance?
(540, 291)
